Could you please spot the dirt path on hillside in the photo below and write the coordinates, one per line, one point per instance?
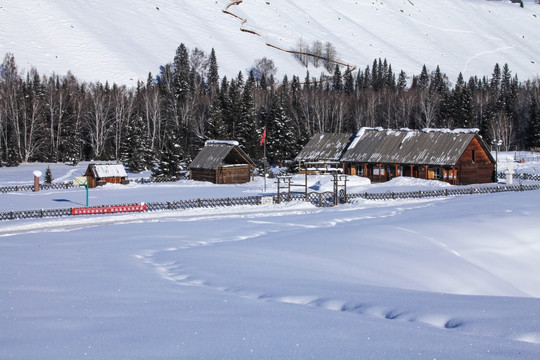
(243, 28)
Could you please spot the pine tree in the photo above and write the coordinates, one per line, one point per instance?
(181, 73)
(213, 75)
(234, 102)
(170, 158)
(402, 81)
(136, 151)
(337, 81)
(48, 176)
(13, 157)
(349, 82)
(246, 128)
(423, 80)
(463, 107)
(533, 124)
(216, 129)
(281, 141)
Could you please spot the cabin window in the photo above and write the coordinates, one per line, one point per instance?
(376, 171)
(437, 173)
(474, 156)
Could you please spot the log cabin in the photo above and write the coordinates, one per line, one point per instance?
(101, 174)
(458, 156)
(221, 162)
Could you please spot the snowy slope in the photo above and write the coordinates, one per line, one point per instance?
(451, 278)
(121, 41)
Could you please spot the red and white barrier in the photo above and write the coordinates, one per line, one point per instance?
(108, 209)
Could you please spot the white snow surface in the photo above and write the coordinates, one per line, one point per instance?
(122, 41)
(453, 278)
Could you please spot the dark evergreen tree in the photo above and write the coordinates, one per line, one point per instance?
(496, 78)
(181, 73)
(462, 105)
(402, 81)
(136, 151)
(13, 157)
(48, 176)
(349, 82)
(234, 109)
(170, 159)
(337, 81)
(212, 77)
(247, 129)
(281, 142)
(390, 81)
(216, 129)
(533, 125)
(439, 82)
(423, 79)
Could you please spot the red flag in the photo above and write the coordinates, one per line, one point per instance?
(263, 137)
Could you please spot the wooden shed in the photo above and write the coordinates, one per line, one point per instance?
(221, 162)
(322, 154)
(101, 174)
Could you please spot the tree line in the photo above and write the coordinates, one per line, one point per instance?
(164, 121)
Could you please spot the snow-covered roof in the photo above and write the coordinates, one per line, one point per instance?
(426, 147)
(324, 146)
(224, 142)
(107, 170)
(379, 145)
(219, 152)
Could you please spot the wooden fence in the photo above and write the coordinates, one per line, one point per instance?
(68, 185)
(318, 199)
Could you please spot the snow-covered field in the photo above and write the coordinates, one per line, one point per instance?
(452, 278)
(121, 41)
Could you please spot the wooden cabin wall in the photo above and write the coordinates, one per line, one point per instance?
(480, 155)
(203, 175)
(234, 175)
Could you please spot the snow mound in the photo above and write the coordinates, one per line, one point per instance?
(405, 181)
(326, 182)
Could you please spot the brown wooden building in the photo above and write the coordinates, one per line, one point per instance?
(455, 156)
(221, 162)
(101, 174)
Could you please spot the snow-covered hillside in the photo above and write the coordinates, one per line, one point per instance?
(122, 40)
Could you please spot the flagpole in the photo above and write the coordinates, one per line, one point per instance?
(264, 158)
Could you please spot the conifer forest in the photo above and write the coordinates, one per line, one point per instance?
(164, 121)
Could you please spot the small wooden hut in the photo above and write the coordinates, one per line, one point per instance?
(101, 174)
(221, 162)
